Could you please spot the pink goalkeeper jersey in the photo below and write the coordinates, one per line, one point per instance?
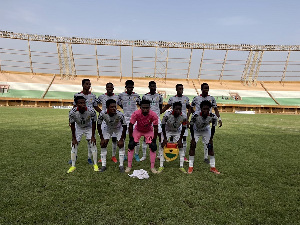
(144, 123)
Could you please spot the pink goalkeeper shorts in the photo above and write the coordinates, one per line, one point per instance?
(137, 135)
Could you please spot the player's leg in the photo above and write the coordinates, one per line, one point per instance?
(205, 149)
(137, 149)
(136, 137)
(93, 148)
(121, 151)
(181, 154)
(114, 149)
(144, 150)
(192, 151)
(103, 144)
(148, 137)
(211, 154)
(78, 133)
(185, 144)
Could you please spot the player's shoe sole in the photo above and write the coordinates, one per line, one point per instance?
(122, 170)
(137, 158)
(182, 170)
(160, 169)
(142, 159)
(128, 169)
(103, 168)
(190, 170)
(214, 170)
(96, 168)
(72, 169)
(153, 170)
(90, 162)
(114, 159)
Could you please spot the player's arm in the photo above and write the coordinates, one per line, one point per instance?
(131, 143)
(218, 115)
(165, 108)
(97, 108)
(74, 140)
(164, 142)
(184, 126)
(93, 138)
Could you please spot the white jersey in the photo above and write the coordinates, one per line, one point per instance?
(198, 99)
(103, 98)
(90, 99)
(155, 101)
(114, 122)
(129, 103)
(200, 124)
(83, 120)
(184, 100)
(173, 124)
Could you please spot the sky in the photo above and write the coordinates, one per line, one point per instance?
(255, 22)
(230, 22)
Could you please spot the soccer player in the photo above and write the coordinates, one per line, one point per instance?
(83, 122)
(145, 120)
(156, 101)
(185, 101)
(128, 101)
(174, 124)
(102, 99)
(200, 126)
(114, 124)
(90, 101)
(196, 103)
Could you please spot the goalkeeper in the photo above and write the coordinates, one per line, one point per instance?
(145, 120)
(200, 126)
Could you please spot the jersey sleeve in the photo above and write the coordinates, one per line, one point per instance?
(72, 115)
(164, 119)
(155, 118)
(138, 99)
(161, 100)
(120, 101)
(193, 104)
(133, 118)
(95, 104)
(214, 120)
(122, 119)
(193, 119)
(187, 102)
(100, 118)
(93, 115)
(170, 102)
(213, 102)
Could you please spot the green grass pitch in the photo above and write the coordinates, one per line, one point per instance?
(258, 156)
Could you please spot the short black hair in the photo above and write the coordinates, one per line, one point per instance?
(145, 102)
(78, 98)
(176, 104)
(110, 101)
(84, 80)
(178, 85)
(205, 103)
(129, 82)
(203, 84)
(109, 83)
(151, 82)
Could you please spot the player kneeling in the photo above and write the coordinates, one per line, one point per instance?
(144, 119)
(174, 124)
(83, 121)
(200, 126)
(115, 124)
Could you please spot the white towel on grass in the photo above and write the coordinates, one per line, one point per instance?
(141, 174)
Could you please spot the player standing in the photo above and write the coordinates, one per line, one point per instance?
(174, 124)
(90, 102)
(156, 101)
(83, 122)
(145, 120)
(114, 124)
(102, 100)
(200, 127)
(196, 103)
(128, 101)
(185, 101)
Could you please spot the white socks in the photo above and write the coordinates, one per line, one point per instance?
(103, 156)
